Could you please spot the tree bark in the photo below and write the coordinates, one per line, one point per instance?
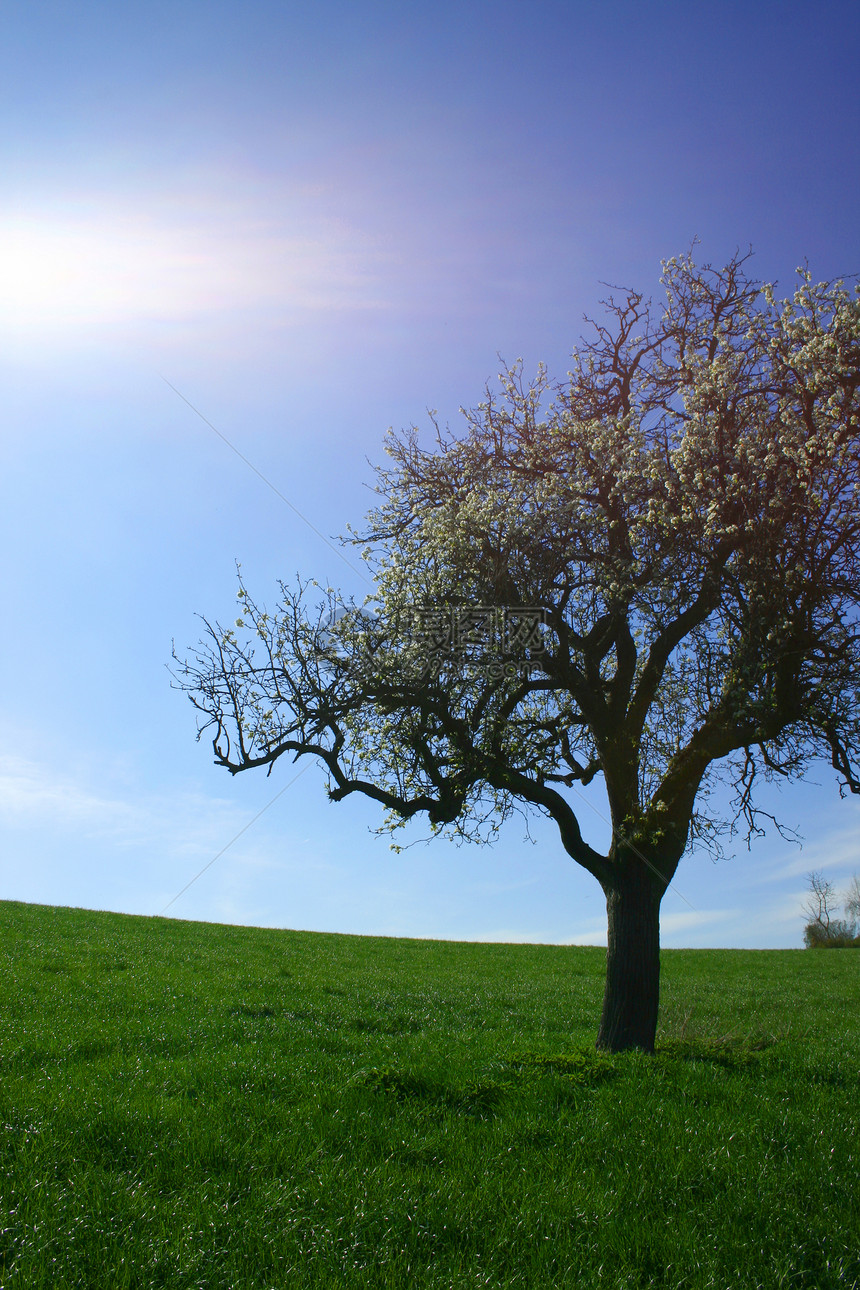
(632, 994)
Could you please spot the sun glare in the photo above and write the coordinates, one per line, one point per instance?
(57, 274)
(64, 276)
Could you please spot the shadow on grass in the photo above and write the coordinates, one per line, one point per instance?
(479, 1097)
(729, 1051)
(580, 1069)
(483, 1097)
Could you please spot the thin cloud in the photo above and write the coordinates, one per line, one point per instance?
(32, 793)
(184, 824)
(516, 936)
(837, 850)
(684, 921)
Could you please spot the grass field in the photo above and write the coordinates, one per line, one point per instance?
(189, 1105)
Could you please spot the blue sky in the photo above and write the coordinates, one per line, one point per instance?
(316, 222)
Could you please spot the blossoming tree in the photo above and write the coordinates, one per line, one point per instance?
(647, 573)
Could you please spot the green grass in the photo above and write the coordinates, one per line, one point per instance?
(188, 1105)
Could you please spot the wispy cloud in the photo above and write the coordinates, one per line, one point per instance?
(34, 794)
(30, 792)
(835, 851)
(694, 919)
(519, 936)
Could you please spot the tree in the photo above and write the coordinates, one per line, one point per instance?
(823, 928)
(648, 573)
(819, 909)
(851, 899)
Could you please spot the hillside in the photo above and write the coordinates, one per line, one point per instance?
(193, 1105)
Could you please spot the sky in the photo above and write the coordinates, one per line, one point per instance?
(310, 223)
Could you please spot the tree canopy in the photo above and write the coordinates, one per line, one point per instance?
(646, 572)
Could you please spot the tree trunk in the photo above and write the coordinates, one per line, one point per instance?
(632, 993)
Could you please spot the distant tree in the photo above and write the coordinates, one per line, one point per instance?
(851, 899)
(823, 928)
(820, 909)
(647, 573)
